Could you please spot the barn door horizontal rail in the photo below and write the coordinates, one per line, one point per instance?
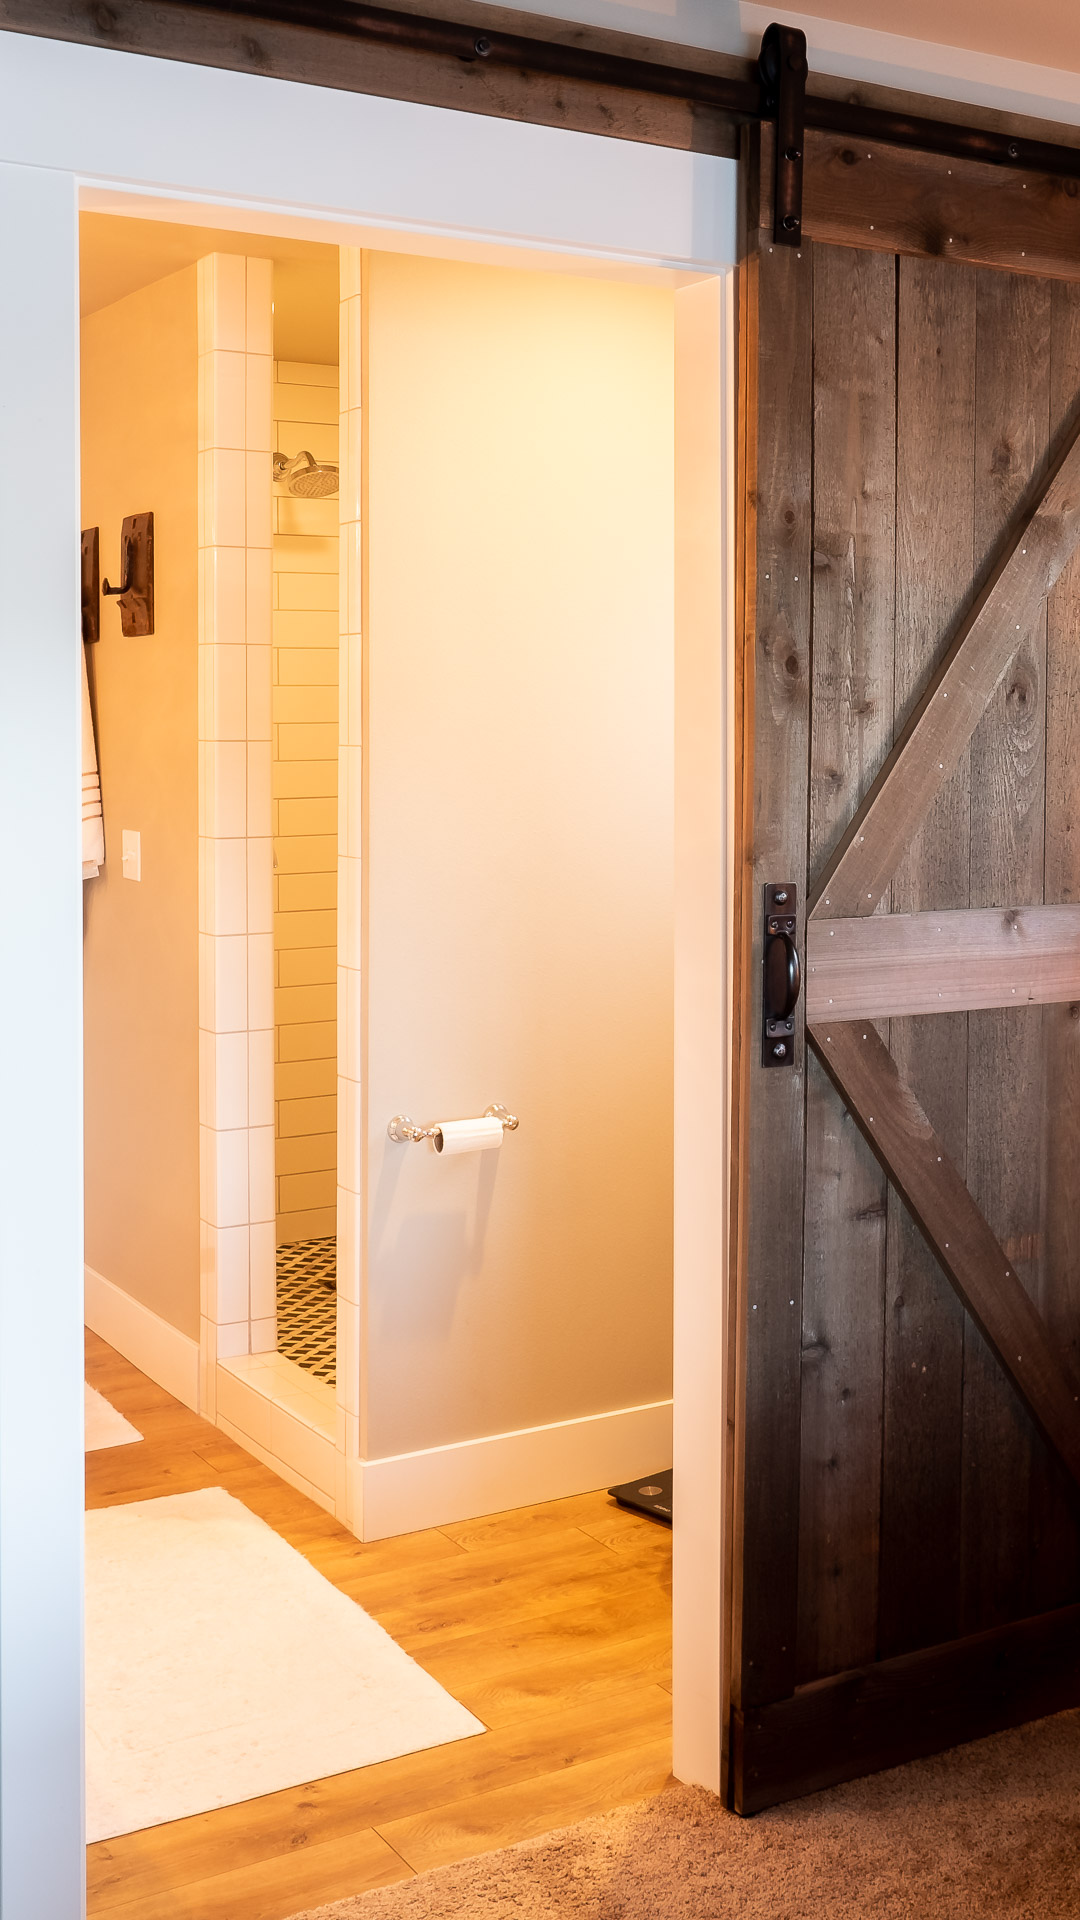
(740, 100)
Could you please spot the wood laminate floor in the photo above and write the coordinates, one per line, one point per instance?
(552, 1624)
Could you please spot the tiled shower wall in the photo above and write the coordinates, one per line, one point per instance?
(305, 756)
(235, 937)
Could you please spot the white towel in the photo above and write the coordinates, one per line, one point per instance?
(93, 827)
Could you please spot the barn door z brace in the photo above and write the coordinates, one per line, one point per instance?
(782, 66)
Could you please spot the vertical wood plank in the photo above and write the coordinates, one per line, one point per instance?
(854, 474)
(774, 664)
(924, 1322)
(1004, 1132)
(1054, 1542)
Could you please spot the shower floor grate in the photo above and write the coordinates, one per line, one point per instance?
(307, 1305)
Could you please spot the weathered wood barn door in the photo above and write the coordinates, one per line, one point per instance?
(907, 1517)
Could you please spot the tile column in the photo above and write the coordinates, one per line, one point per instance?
(236, 995)
(350, 1207)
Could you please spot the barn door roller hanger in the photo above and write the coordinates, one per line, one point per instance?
(783, 68)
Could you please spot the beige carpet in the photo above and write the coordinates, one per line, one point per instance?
(987, 1832)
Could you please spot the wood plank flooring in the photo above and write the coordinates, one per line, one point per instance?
(552, 1624)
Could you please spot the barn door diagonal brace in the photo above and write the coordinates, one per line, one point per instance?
(782, 65)
(930, 747)
(901, 1137)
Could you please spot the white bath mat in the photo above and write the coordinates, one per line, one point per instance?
(105, 1427)
(220, 1665)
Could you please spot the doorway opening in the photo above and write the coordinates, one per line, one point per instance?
(407, 716)
(430, 749)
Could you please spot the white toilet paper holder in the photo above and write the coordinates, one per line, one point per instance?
(402, 1129)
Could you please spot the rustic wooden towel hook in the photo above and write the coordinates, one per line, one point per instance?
(136, 590)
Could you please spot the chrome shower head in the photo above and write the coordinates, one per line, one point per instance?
(306, 477)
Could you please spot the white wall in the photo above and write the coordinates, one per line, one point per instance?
(519, 448)
(141, 948)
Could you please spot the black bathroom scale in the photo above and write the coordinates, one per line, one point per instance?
(651, 1496)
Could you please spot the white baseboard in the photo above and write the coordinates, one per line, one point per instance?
(167, 1356)
(409, 1491)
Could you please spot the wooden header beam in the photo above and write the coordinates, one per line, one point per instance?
(481, 62)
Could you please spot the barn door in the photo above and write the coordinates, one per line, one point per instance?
(907, 1562)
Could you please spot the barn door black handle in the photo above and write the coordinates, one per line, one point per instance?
(781, 976)
(782, 979)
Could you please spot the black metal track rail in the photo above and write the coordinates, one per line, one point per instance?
(740, 101)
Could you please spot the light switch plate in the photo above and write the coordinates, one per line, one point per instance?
(131, 853)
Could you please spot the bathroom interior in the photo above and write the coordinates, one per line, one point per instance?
(386, 791)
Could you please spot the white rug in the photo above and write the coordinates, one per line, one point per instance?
(220, 1665)
(105, 1427)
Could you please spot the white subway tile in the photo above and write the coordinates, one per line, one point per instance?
(208, 1345)
(350, 1030)
(264, 1334)
(228, 303)
(261, 1077)
(221, 399)
(263, 1267)
(261, 1190)
(259, 788)
(223, 885)
(207, 1256)
(350, 578)
(260, 885)
(223, 982)
(232, 1073)
(204, 467)
(260, 596)
(224, 472)
(307, 1452)
(348, 1350)
(350, 905)
(224, 596)
(226, 718)
(223, 1079)
(259, 531)
(349, 264)
(348, 1434)
(348, 1245)
(232, 1275)
(260, 687)
(233, 1340)
(259, 422)
(223, 807)
(350, 1135)
(350, 800)
(260, 985)
(350, 690)
(225, 1173)
(204, 303)
(259, 337)
(245, 1408)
